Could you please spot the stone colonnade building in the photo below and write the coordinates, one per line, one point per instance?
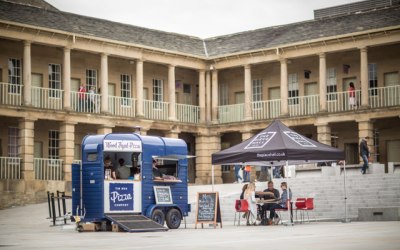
(213, 93)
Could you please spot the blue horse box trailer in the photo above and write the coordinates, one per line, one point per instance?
(141, 202)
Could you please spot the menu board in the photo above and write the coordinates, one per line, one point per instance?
(208, 208)
(163, 194)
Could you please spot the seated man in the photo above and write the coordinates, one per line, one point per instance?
(272, 193)
(123, 172)
(273, 218)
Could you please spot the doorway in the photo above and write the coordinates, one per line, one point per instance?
(274, 108)
(111, 92)
(393, 149)
(37, 82)
(351, 150)
(311, 104)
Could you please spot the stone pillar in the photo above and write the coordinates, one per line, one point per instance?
(67, 144)
(324, 133)
(104, 129)
(208, 97)
(104, 82)
(171, 93)
(366, 128)
(26, 144)
(284, 88)
(214, 112)
(246, 135)
(202, 96)
(364, 77)
(247, 93)
(207, 144)
(66, 73)
(26, 73)
(139, 88)
(172, 134)
(322, 83)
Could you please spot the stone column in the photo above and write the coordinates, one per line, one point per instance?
(26, 73)
(284, 88)
(172, 134)
(202, 96)
(67, 144)
(364, 77)
(104, 82)
(171, 93)
(139, 88)
(366, 128)
(322, 83)
(247, 93)
(104, 129)
(206, 144)
(26, 144)
(208, 97)
(324, 133)
(66, 73)
(214, 112)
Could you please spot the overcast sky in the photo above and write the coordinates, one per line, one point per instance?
(201, 18)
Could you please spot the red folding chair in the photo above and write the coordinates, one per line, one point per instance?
(241, 206)
(300, 205)
(288, 206)
(309, 206)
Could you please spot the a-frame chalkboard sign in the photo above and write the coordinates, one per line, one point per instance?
(208, 209)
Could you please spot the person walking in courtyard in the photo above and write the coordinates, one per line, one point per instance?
(352, 96)
(238, 178)
(246, 173)
(364, 153)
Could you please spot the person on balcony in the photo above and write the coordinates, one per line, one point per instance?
(364, 153)
(352, 96)
(82, 97)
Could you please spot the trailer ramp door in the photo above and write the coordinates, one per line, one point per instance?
(135, 223)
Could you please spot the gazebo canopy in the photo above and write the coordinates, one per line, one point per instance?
(274, 146)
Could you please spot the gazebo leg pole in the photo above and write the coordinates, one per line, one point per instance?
(289, 222)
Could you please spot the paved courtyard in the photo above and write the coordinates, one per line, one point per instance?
(27, 228)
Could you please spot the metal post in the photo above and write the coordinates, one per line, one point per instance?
(58, 203)
(290, 219)
(345, 220)
(53, 209)
(64, 206)
(48, 202)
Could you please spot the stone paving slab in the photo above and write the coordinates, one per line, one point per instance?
(26, 227)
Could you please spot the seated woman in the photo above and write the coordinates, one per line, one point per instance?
(249, 195)
(282, 203)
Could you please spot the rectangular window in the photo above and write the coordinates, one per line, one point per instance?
(331, 86)
(158, 93)
(293, 87)
(126, 89)
(223, 94)
(373, 79)
(13, 135)
(55, 80)
(14, 75)
(91, 79)
(187, 93)
(257, 95)
(54, 144)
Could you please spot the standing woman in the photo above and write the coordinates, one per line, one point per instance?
(352, 96)
(250, 196)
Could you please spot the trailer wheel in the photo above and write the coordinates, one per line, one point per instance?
(174, 218)
(158, 216)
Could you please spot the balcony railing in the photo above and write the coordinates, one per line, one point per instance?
(303, 105)
(266, 109)
(340, 101)
(384, 96)
(85, 102)
(231, 113)
(10, 168)
(121, 106)
(47, 98)
(155, 110)
(187, 113)
(48, 169)
(11, 94)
